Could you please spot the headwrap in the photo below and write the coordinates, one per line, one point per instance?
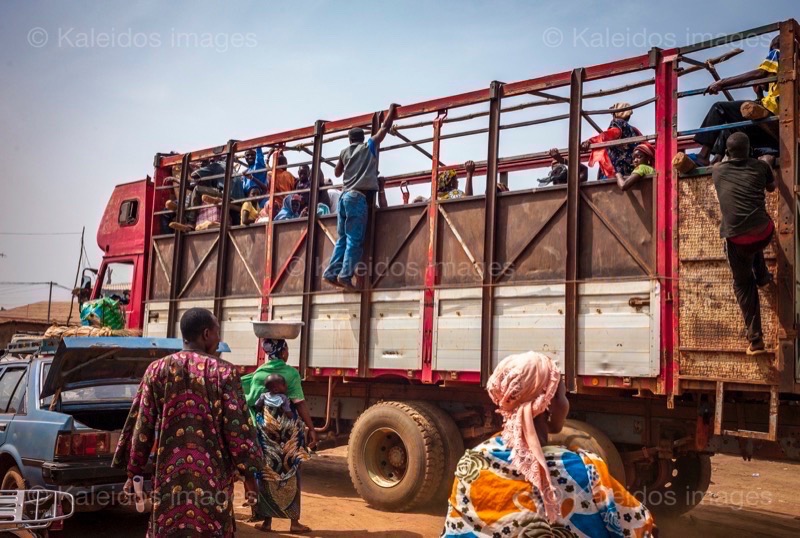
(444, 179)
(623, 114)
(323, 209)
(646, 148)
(273, 347)
(522, 387)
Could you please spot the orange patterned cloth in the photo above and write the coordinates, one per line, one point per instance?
(491, 498)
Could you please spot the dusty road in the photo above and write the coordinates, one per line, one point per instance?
(738, 504)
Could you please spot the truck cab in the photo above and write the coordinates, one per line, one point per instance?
(124, 238)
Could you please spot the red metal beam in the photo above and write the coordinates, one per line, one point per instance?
(430, 270)
(665, 211)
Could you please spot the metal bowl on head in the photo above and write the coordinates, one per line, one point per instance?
(277, 330)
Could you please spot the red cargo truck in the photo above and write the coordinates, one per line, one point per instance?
(628, 291)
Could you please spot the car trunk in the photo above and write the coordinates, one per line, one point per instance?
(99, 419)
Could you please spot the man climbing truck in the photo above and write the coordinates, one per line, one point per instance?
(630, 292)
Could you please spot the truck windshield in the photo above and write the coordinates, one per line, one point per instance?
(124, 391)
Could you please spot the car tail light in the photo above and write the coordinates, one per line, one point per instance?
(84, 444)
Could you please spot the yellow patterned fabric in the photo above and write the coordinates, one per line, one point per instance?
(490, 498)
(770, 65)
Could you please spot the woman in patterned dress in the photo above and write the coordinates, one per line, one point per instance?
(614, 159)
(279, 496)
(513, 485)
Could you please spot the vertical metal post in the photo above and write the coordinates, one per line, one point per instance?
(49, 301)
(789, 107)
(665, 213)
(177, 249)
(429, 293)
(573, 234)
(490, 212)
(265, 310)
(224, 226)
(311, 248)
(365, 312)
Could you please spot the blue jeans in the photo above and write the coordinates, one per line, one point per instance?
(351, 225)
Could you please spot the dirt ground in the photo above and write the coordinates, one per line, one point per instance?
(737, 504)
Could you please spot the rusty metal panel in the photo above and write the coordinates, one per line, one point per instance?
(401, 248)
(712, 332)
(460, 242)
(245, 260)
(531, 245)
(289, 257)
(161, 271)
(324, 249)
(199, 270)
(616, 235)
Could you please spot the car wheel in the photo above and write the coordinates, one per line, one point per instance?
(13, 479)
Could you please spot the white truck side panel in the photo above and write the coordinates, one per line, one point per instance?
(334, 331)
(396, 330)
(236, 326)
(288, 309)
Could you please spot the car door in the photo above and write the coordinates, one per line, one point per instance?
(13, 383)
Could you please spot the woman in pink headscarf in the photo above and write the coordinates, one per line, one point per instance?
(515, 485)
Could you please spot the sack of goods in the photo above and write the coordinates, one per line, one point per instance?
(104, 312)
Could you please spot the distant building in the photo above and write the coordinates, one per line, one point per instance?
(32, 318)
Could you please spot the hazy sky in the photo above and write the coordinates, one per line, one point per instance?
(90, 91)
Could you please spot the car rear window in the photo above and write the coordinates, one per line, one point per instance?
(125, 391)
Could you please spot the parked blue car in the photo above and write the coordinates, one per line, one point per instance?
(62, 406)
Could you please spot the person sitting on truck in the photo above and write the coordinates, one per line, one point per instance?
(447, 183)
(614, 159)
(284, 182)
(516, 481)
(291, 208)
(559, 170)
(190, 415)
(207, 180)
(643, 157)
(250, 213)
(741, 182)
(359, 164)
(256, 174)
(724, 112)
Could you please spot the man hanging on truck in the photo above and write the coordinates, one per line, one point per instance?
(359, 164)
(740, 182)
(724, 112)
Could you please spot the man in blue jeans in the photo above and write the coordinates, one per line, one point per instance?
(359, 164)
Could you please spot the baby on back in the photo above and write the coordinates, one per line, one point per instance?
(274, 397)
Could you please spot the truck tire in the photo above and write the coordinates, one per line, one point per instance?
(691, 476)
(13, 479)
(452, 443)
(577, 434)
(395, 456)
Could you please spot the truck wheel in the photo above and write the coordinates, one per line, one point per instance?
(577, 434)
(13, 479)
(685, 486)
(395, 456)
(452, 443)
